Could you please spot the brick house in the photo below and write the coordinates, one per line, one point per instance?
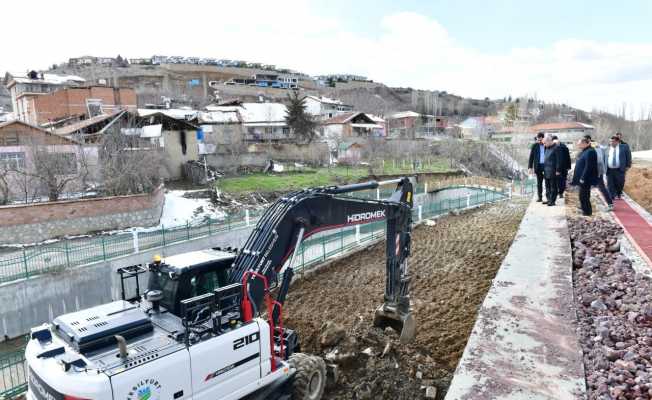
(81, 103)
(351, 124)
(18, 143)
(412, 125)
(24, 87)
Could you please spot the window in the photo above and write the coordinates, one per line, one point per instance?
(12, 160)
(9, 139)
(94, 107)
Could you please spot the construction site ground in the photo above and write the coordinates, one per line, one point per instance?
(452, 265)
(638, 185)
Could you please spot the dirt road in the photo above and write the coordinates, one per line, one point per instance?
(452, 265)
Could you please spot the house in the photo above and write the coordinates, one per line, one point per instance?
(85, 60)
(20, 144)
(476, 128)
(349, 152)
(140, 61)
(413, 125)
(264, 122)
(222, 126)
(567, 132)
(80, 103)
(350, 125)
(23, 87)
(324, 108)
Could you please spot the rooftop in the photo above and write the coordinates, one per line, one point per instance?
(555, 126)
(52, 79)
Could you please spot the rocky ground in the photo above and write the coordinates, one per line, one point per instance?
(614, 306)
(452, 263)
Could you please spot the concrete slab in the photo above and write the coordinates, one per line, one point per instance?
(524, 343)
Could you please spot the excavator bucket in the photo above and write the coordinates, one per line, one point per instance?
(401, 321)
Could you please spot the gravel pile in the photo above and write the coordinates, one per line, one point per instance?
(614, 306)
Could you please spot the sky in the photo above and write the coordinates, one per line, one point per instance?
(589, 54)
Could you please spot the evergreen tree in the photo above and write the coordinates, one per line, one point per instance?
(300, 122)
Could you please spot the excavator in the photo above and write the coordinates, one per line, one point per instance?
(209, 325)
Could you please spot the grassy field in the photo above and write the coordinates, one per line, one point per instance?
(293, 180)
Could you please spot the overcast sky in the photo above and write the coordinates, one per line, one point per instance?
(586, 53)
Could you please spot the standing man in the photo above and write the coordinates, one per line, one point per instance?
(601, 153)
(618, 158)
(551, 169)
(535, 164)
(586, 174)
(626, 149)
(564, 155)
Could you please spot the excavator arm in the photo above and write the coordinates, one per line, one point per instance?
(270, 249)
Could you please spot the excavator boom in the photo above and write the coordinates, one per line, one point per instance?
(299, 215)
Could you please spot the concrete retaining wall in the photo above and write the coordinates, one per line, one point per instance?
(34, 301)
(40, 221)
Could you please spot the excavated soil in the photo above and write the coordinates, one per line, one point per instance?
(638, 185)
(452, 265)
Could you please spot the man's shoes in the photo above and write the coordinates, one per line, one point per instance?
(538, 200)
(586, 215)
(610, 207)
(545, 202)
(551, 204)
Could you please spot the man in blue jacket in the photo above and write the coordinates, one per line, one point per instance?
(586, 174)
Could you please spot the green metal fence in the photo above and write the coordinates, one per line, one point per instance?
(13, 374)
(313, 251)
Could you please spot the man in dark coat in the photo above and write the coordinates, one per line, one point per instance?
(625, 153)
(551, 169)
(564, 154)
(618, 159)
(536, 161)
(586, 174)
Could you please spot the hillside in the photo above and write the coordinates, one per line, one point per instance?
(198, 85)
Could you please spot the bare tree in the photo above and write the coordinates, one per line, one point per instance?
(128, 166)
(53, 169)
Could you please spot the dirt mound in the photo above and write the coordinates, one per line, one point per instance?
(638, 186)
(452, 265)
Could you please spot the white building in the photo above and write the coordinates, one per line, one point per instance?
(324, 107)
(259, 121)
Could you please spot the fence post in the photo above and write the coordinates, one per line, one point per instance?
(468, 200)
(341, 240)
(357, 233)
(420, 213)
(163, 233)
(247, 217)
(425, 187)
(323, 246)
(187, 229)
(134, 234)
(103, 248)
(67, 253)
(25, 262)
(510, 190)
(377, 193)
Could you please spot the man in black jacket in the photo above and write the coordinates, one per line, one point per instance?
(586, 174)
(564, 154)
(536, 161)
(551, 169)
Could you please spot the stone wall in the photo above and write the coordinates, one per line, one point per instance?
(40, 221)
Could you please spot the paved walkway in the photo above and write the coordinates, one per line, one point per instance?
(636, 223)
(524, 344)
